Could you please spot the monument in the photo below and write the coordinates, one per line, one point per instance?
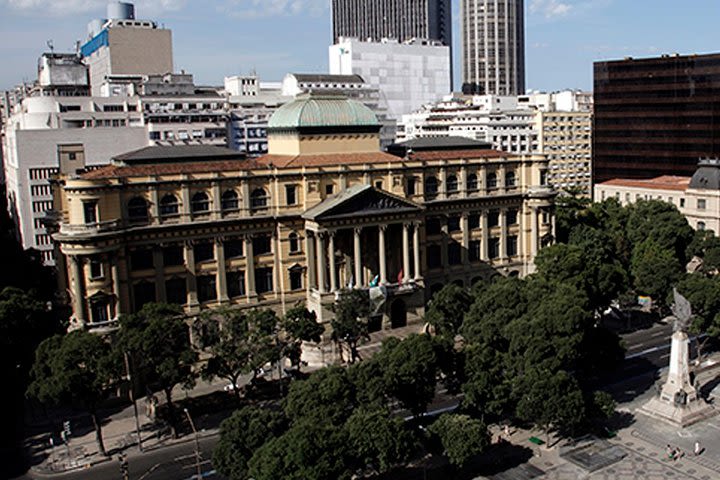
(678, 401)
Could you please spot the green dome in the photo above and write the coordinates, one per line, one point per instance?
(314, 111)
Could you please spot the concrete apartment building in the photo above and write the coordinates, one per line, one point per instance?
(697, 196)
(655, 116)
(121, 45)
(408, 75)
(566, 140)
(493, 46)
(325, 210)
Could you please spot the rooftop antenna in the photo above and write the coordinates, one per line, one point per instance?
(51, 46)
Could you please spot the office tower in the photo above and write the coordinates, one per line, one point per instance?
(493, 46)
(655, 116)
(399, 19)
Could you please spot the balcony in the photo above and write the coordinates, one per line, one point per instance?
(90, 228)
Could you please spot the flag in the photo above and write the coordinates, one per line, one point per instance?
(375, 281)
(400, 276)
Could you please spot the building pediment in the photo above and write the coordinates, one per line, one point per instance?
(360, 201)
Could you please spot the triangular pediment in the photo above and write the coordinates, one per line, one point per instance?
(359, 201)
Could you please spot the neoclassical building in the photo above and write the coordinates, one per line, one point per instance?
(202, 226)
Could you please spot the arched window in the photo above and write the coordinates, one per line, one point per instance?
(510, 179)
(200, 203)
(431, 186)
(258, 199)
(452, 184)
(472, 182)
(138, 209)
(701, 225)
(294, 242)
(492, 180)
(229, 200)
(168, 205)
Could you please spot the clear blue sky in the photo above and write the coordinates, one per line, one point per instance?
(214, 38)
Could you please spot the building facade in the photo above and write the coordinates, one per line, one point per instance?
(323, 211)
(402, 20)
(493, 46)
(565, 137)
(655, 116)
(696, 197)
(408, 75)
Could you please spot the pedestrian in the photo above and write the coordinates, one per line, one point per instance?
(670, 452)
(507, 431)
(697, 448)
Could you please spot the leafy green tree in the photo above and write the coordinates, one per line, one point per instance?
(550, 400)
(494, 308)
(241, 434)
(601, 406)
(462, 437)
(655, 269)
(327, 395)
(350, 325)
(300, 325)
(447, 309)
(488, 392)
(158, 339)
(378, 440)
(661, 223)
(308, 451)
(568, 208)
(368, 378)
(78, 369)
(703, 293)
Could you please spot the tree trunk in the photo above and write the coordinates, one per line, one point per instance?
(171, 412)
(98, 434)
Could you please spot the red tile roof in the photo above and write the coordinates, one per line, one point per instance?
(665, 182)
(457, 154)
(326, 160)
(115, 171)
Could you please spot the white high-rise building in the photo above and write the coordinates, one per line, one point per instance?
(493, 46)
(408, 75)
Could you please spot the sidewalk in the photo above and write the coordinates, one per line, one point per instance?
(119, 431)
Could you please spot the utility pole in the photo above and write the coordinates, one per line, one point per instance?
(132, 399)
(197, 444)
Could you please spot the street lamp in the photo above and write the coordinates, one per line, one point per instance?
(197, 444)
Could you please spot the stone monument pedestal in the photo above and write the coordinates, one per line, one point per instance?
(678, 402)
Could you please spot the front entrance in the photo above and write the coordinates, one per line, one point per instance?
(398, 314)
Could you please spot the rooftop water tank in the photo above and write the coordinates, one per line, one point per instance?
(121, 11)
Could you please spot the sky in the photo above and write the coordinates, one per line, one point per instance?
(216, 38)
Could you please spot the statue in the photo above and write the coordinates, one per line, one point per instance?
(682, 311)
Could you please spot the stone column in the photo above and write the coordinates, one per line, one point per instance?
(77, 290)
(321, 264)
(245, 188)
(217, 200)
(535, 232)
(191, 282)
(406, 253)
(381, 254)
(159, 266)
(155, 205)
(331, 259)
(463, 182)
(185, 199)
(311, 261)
(357, 257)
(442, 191)
(503, 234)
(416, 251)
(484, 243)
(465, 226)
(553, 225)
(115, 272)
(221, 284)
(250, 291)
(501, 179)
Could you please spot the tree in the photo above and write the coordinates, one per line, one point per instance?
(461, 437)
(368, 378)
(158, 339)
(703, 293)
(327, 395)
(378, 440)
(241, 434)
(655, 269)
(661, 223)
(300, 325)
(447, 310)
(77, 368)
(487, 388)
(239, 342)
(308, 451)
(410, 371)
(350, 325)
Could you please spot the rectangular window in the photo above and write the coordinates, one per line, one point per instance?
(494, 248)
(236, 283)
(453, 224)
(296, 280)
(96, 268)
(264, 280)
(141, 259)
(329, 189)
(682, 203)
(410, 186)
(291, 194)
(473, 222)
(204, 252)
(206, 285)
(432, 226)
(233, 248)
(176, 291)
(99, 311)
(512, 217)
(173, 256)
(262, 244)
(454, 253)
(474, 253)
(378, 184)
(512, 246)
(90, 211)
(701, 204)
(143, 293)
(493, 218)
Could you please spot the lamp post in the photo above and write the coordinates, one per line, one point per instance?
(132, 399)
(197, 444)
